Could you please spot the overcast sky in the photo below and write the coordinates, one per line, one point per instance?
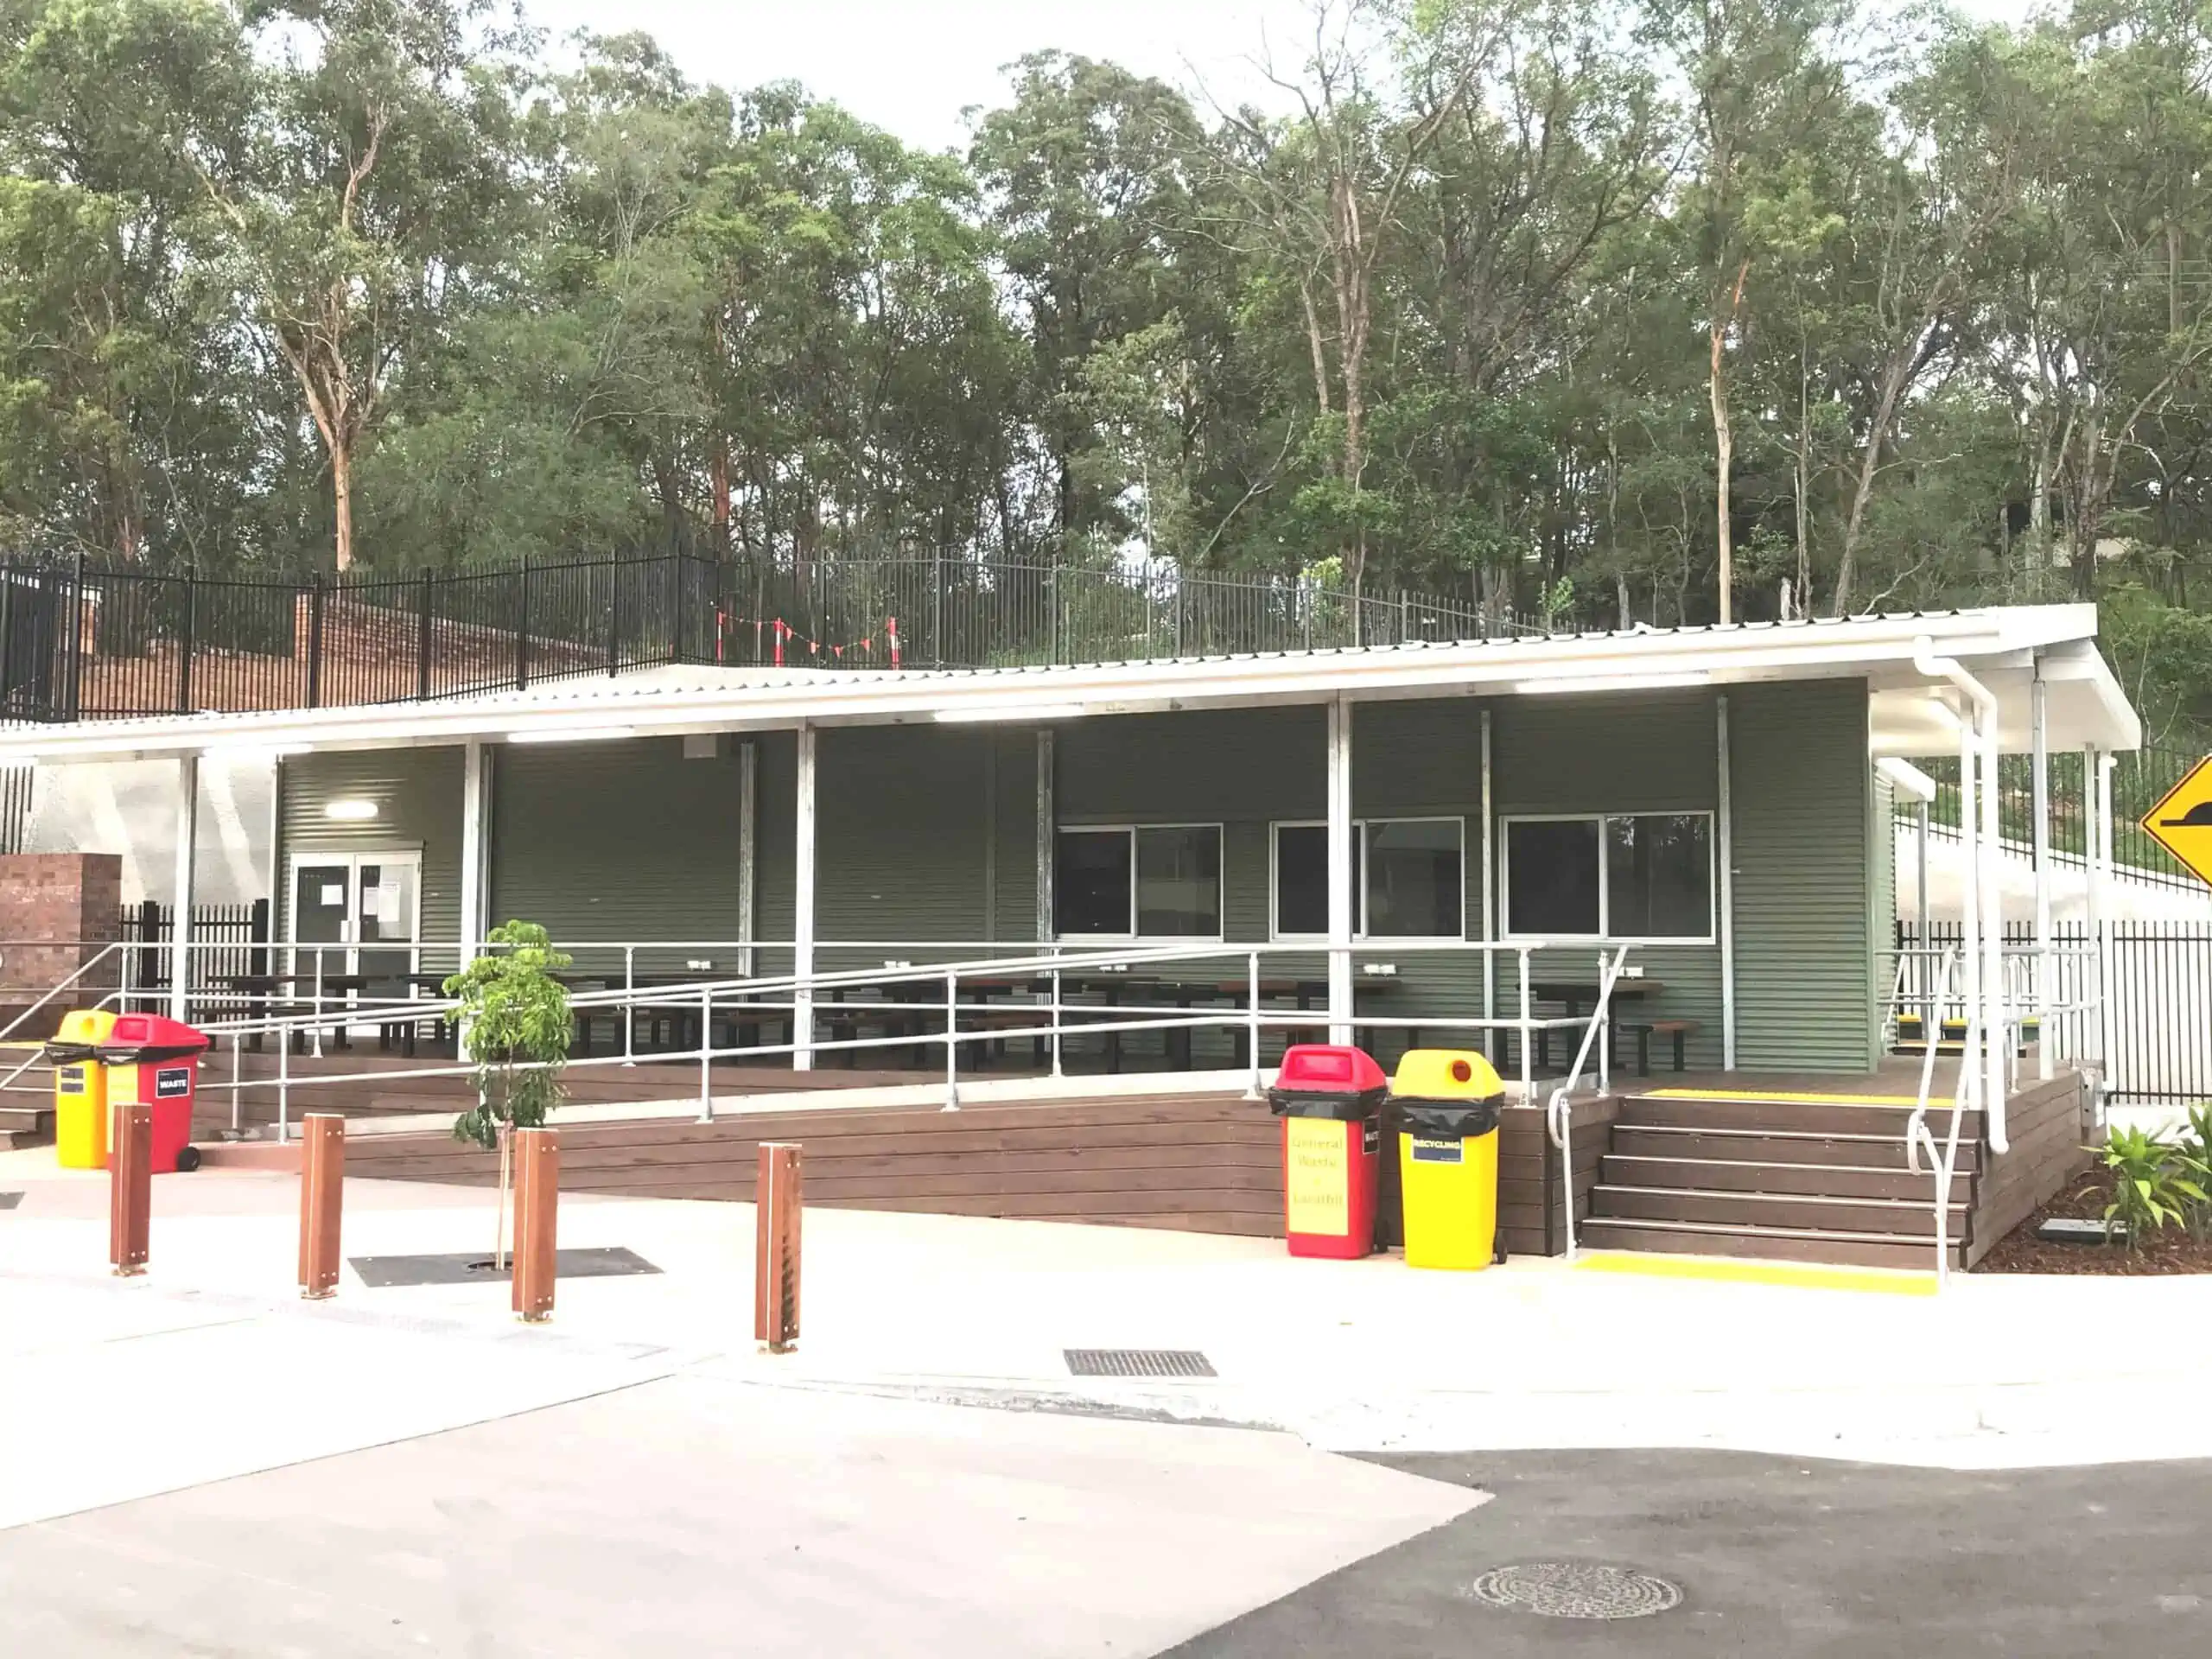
(912, 66)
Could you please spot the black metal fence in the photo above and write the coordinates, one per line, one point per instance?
(2138, 782)
(2159, 1000)
(228, 942)
(80, 642)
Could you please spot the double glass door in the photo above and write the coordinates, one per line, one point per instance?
(356, 918)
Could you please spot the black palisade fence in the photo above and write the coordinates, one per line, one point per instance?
(82, 643)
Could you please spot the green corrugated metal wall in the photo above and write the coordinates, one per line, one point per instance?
(930, 835)
(417, 792)
(603, 841)
(1804, 970)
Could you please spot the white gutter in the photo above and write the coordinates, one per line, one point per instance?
(1977, 739)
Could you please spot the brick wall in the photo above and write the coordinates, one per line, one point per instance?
(54, 910)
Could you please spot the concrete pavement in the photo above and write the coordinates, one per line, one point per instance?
(1366, 1356)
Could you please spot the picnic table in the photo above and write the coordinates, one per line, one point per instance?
(331, 991)
(1576, 995)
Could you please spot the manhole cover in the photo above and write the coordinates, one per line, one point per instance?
(1565, 1589)
(1137, 1362)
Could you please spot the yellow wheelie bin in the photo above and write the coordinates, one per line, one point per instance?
(1446, 1103)
(80, 1089)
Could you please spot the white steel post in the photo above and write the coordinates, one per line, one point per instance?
(706, 1054)
(1995, 1043)
(803, 911)
(2100, 924)
(2040, 788)
(1490, 897)
(1047, 846)
(1724, 833)
(187, 836)
(1340, 869)
(748, 850)
(1969, 898)
(475, 849)
(1928, 1013)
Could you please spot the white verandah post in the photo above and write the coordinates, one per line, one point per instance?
(1341, 870)
(187, 836)
(1724, 853)
(2040, 788)
(475, 849)
(802, 909)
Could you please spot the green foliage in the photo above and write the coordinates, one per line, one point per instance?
(514, 1020)
(280, 274)
(2152, 1187)
(2193, 1157)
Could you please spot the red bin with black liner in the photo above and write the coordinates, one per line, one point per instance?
(154, 1060)
(1329, 1098)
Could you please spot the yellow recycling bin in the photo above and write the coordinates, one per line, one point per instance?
(1446, 1103)
(80, 1089)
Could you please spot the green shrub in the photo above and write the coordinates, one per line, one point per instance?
(2151, 1185)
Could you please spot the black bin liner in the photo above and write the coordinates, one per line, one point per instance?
(1446, 1120)
(59, 1054)
(146, 1054)
(1343, 1105)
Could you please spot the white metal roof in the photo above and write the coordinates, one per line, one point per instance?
(2002, 646)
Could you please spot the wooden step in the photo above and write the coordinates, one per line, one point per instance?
(1687, 1111)
(1764, 1243)
(1873, 1218)
(1819, 1180)
(25, 1126)
(1884, 1151)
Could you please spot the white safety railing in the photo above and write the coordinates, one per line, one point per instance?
(1919, 1140)
(1559, 1111)
(1047, 1012)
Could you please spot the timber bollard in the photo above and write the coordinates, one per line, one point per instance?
(131, 1189)
(322, 1195)
(775, 1254)
(537, 1198)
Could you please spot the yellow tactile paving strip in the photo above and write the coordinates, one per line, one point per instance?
(1729, 1270)
(1782, 1095)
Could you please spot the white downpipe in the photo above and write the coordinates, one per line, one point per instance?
(1340, 870)
(1726, 853)
(1984, 910)
(803, 911)
(188, 837)
(2046, 983)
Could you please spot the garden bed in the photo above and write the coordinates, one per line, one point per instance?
(2170, 1251)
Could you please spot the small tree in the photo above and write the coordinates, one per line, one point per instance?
(515, 1028)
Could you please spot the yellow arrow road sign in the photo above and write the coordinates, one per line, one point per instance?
(2181, 822)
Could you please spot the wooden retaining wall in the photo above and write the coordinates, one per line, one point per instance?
(2049, 1137)
(1202, 1163)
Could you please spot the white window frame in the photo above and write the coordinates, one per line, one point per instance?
(1605, 934)
(1359, 826)
(1132, 937)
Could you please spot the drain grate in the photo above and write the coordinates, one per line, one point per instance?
(1570, 1590)
(1137, 1362)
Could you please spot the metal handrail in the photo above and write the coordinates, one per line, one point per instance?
(760, 994)
(1943, 1159)
(1559, 1112)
